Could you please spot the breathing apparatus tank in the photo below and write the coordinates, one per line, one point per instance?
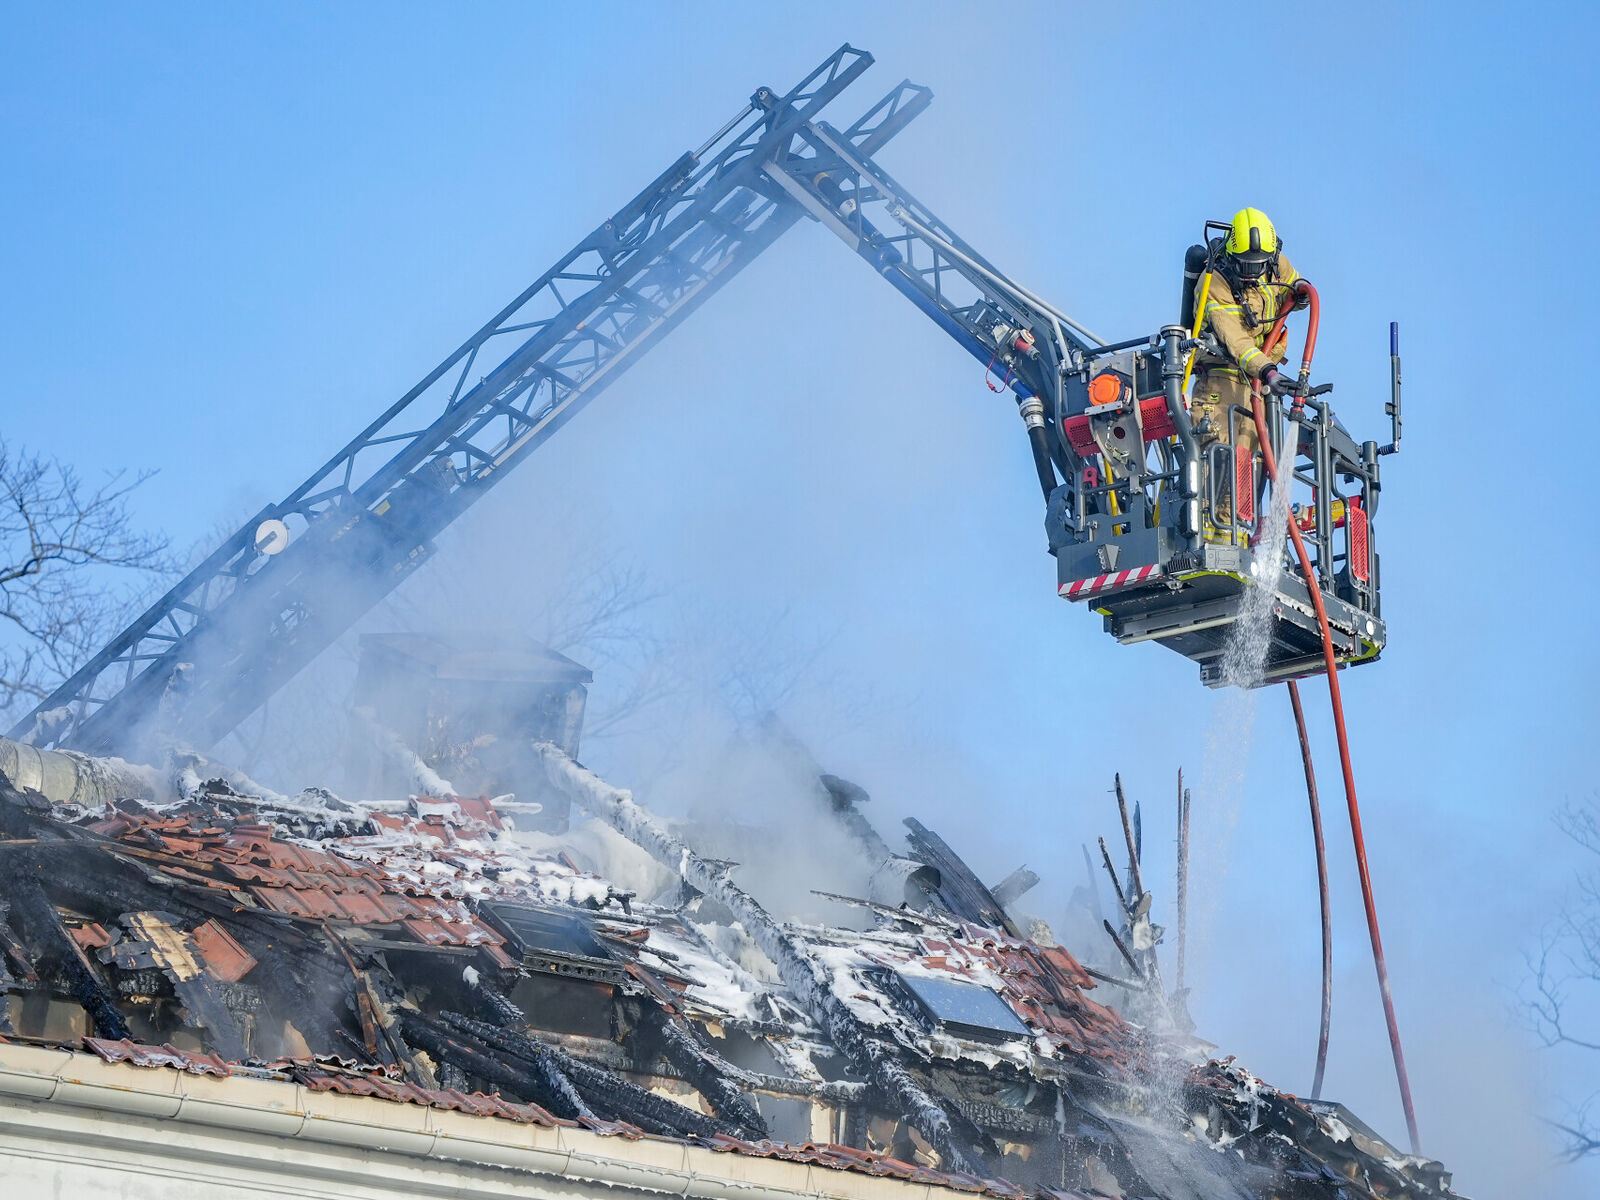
(1194, 265)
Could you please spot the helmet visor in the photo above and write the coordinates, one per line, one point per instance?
(1252, 264)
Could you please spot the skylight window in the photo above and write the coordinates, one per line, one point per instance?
(965, 1009)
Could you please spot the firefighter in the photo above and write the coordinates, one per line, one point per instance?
(1251, 283)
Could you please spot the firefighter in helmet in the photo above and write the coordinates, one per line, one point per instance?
(1251, 283)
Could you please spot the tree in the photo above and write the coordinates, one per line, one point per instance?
(1561, 998)
(72, 565)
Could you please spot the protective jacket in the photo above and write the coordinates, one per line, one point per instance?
(1242, 322)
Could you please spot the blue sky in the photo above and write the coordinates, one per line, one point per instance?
(236, 232)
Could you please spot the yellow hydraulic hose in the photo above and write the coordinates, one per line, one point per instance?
(1111, 482)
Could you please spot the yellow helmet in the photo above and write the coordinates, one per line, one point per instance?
(1252, 242)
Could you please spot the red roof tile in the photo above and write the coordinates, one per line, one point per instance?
(91, 936)
(159, 1056)
(223, 956)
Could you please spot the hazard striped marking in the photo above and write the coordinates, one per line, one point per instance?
(1080, 588)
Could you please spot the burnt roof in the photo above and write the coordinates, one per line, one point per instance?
(427, 955)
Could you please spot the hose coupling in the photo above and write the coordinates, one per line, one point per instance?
(1032, 412)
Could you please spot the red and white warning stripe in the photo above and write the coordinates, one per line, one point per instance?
(1078, 589)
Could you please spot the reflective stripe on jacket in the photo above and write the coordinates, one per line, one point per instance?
(1225, 316)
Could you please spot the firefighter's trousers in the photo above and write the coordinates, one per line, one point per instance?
(1214, 394)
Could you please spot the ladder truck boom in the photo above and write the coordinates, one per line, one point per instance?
(297, 575)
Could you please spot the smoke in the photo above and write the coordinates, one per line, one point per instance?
(745, 801)
(423, 777)
(681, 686)
(808, 473)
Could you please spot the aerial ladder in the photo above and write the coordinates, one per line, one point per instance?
(1121, 477)
(1129, 494)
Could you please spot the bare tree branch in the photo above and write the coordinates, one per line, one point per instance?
(1580, 1132)
(1560, 995)
(73, 563)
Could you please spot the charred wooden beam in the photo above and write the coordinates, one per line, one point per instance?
(910, 918)
(1122, 948)
(843, 798)
(840, 1093)
(628, 1101)
(1015, 885)
(1135, 876)
(493, 1004)
(1114, 980)
(11, 955)
(1116, 885)
(1141, 932)
(98, 874)
(378, 1001)
(696, 1065)
(18, 812)
(473, 1056)
(837, 1092)
(565, 1099)
(11, 950)
(960, 888)
(806, 978)
(45, 927)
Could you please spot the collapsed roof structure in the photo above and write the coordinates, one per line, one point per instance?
(613, 983)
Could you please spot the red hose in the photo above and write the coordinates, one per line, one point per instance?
(1313, 322)
(1330, 659)
(1322, 889)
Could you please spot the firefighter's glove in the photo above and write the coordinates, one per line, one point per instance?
(1302, 295)
(1275, 380)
